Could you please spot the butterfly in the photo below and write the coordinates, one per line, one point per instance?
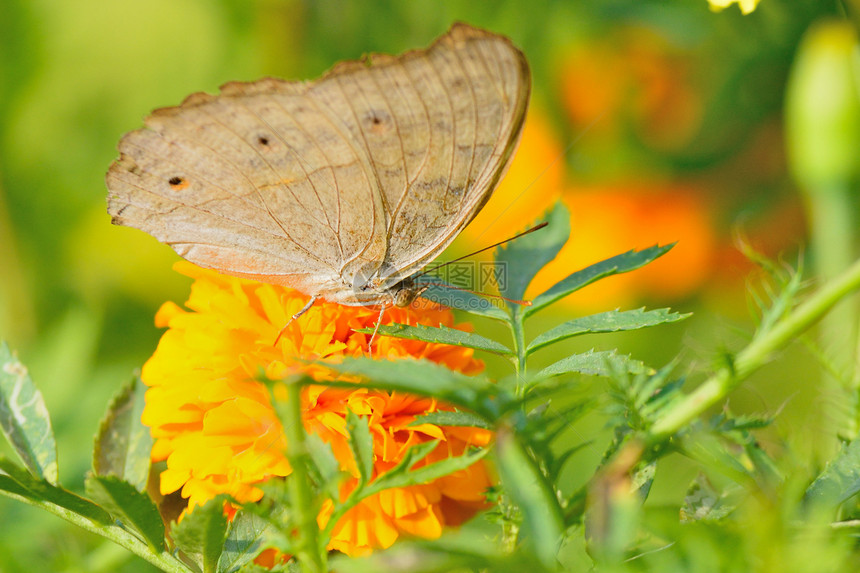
(343, 187)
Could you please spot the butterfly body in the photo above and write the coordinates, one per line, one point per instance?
(342, 187)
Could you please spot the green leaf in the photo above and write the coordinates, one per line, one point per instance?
(840, 480)
(612, 321)
(703, 502)
(24, 418)
(202, 532)
(543, 523)
(446, 418)
(361, 445)
(602, 363)
(464, 551)
(130, 506)
(246, 536)
(123, 443)
(424, 378)
(521, 259)
(622, 263)
(325, 466)
(442, 334)
(41, 492)
(397, 477)
(448, 295)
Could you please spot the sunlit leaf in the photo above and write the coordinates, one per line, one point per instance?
(41, 492)
(623, 263)
(612, 321)
(518, 261)
(601, 363)
(131, 507)
(24, 418)
(123, 443)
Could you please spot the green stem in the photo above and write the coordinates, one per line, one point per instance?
(163, 560)
(831, 213)
(308, 552)
(518, 333)
(718, 386)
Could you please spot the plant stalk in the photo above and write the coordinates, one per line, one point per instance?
(308, 552)
(754, 356)
(163, 560)
(518, 333)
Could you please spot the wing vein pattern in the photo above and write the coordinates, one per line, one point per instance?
(341, 187)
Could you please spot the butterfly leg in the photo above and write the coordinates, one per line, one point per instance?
(294, 317)
(376, 328)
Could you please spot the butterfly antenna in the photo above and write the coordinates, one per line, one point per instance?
(558, 158)
(486, 295)
(526, 232)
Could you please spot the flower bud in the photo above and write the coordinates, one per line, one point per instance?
(823, 108)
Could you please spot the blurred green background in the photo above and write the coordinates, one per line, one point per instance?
(654, 121)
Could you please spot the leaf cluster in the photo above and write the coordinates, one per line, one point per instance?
(650, 414)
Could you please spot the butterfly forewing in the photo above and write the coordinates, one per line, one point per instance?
(369, 171)
(440, 126)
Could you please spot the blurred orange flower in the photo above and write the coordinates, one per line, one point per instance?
(215, 426)
(608, 221)
(633, 79)
(532, 185)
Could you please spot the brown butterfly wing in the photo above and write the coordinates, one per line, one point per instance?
(254, 182)
(440, 126)
(377, 164)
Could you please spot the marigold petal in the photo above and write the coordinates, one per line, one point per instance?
(215, 426)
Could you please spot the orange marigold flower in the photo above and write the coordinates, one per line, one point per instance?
(214, 424)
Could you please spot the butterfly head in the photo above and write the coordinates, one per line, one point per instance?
(406, 291)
